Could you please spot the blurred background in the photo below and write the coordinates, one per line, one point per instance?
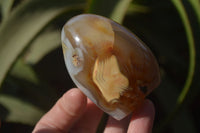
(33, 74)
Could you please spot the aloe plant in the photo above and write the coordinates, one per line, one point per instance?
(30, 48)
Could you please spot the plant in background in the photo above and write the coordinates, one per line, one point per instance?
(33, 75)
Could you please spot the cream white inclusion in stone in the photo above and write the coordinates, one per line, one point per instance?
(109, 79)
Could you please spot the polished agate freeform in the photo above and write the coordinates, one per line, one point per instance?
(111, 65)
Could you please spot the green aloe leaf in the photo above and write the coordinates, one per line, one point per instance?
(120, 10)
(5, 6)
(20, 111)
(191, 43)
(137, 8)
(196, 6)
(42, 45)
(24, 24)
(47, 40)
(191, 69)
(24, 71)
(115, 9)
(192, 52)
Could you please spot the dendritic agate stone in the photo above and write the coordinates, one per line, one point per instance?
(111, 65)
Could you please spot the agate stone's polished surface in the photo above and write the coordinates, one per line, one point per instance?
(113, 67)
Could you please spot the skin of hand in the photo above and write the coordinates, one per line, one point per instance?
(74, 113)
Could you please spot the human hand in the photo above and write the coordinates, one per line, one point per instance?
(74, 113)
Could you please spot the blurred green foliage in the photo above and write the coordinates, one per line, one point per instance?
(32, 71)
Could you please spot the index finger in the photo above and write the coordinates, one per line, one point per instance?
(63, 114)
